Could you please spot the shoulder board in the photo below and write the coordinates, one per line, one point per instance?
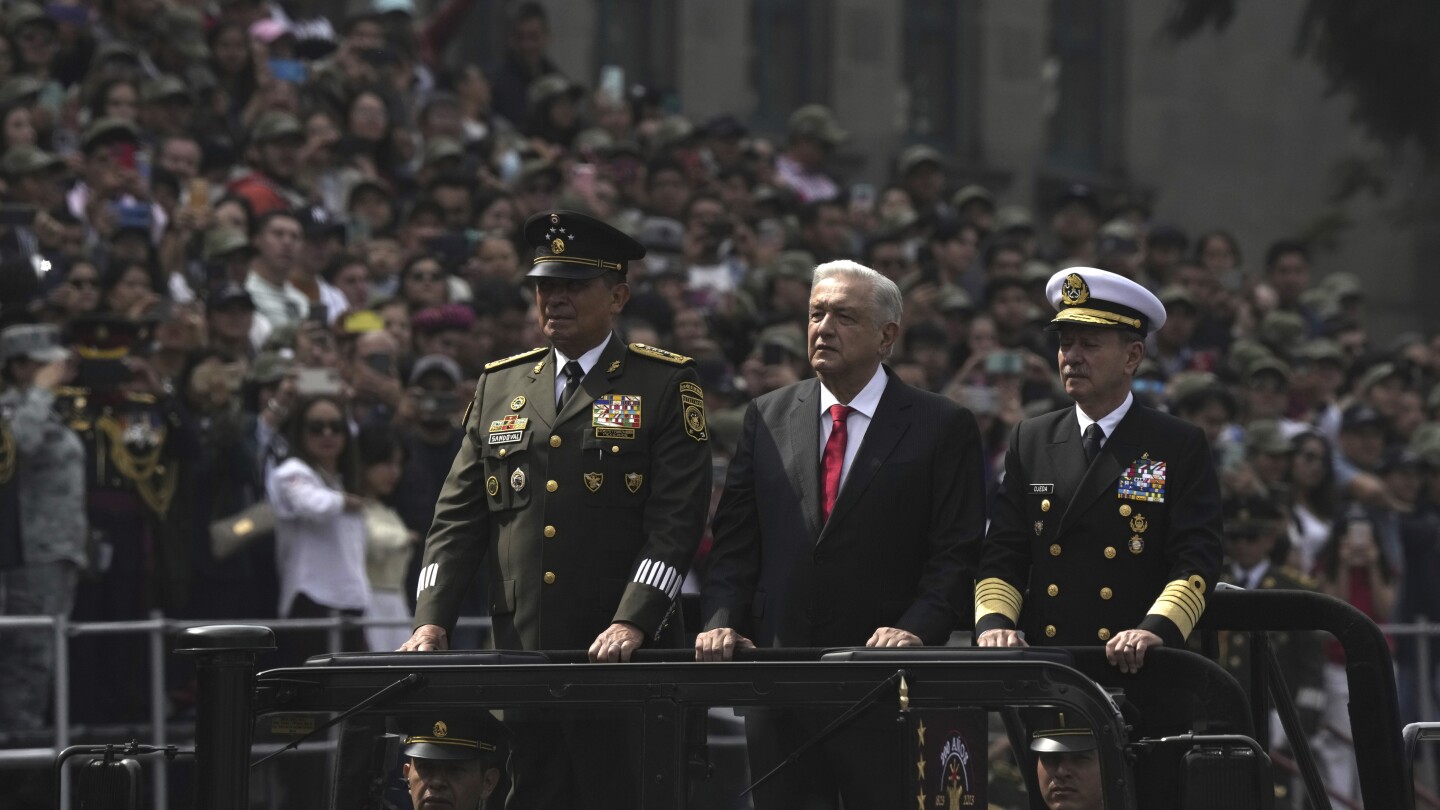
(645, 350)
(1299, 577)
(514, 358)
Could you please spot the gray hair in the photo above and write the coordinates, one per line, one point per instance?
(887, 303)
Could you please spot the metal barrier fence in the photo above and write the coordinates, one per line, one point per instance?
(157, 627)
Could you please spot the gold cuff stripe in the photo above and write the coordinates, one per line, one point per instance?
(995, 595)
(617, 266)
(451, 741)
(1086, 315)
(1180, 604)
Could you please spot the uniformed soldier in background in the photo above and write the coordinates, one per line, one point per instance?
(1110, 511)
(581, 488)
(1067, 767)
(457, 760)
(1254, 525)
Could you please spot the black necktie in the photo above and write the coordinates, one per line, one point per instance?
(1093, 436)
(573, 374)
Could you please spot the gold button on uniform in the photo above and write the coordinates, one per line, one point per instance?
(1109, 552)
(1053, 590)
(551, 486)
(549, 577)
(502, 452)
(1124, 510)
(1045, 505)
(549, 531)
(1106, 593)
(614, 448)
(554, 441)
(1050, 631)
(1055, 550)
(1104, 634)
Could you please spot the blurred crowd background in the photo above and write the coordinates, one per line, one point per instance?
(280, 250)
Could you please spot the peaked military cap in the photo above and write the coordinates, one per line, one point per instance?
(1058, 738)
(454, 736)
(1085, 296)
(575, 246)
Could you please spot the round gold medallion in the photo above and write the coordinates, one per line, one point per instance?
(492, 486)
(1124, 510)
(517, 403)
(1109, 552)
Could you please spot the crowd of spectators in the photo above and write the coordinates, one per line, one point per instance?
(300, 238)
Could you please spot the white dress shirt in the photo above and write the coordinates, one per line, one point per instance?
(864, 405)
(587, 361)
(1109, 422)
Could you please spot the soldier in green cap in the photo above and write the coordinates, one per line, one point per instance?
(455, 760)
(580, 490)
(273, 153)
(812, 136)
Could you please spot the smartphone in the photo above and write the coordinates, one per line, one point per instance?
(612, 82)
(289, 70)
(16, 215)
(199, 195)
(1004, 363)
(319, 313)
(315, 382)
(862, 198)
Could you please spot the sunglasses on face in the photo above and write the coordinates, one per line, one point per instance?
(319, 427)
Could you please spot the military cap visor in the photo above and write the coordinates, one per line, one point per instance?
(1062, 741)
(577, 247)
(454, 738)
(1085, 296)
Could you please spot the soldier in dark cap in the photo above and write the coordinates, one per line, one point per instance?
(455, 760)
(580, 488)
(1067, 767)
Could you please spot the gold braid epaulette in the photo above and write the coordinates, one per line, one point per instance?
(154, 482)
(514, 359)
(646, 350)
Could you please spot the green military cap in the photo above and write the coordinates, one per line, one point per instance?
(1013, 218)
(1118, 236)
(116, 49)
(440, 148)
(276, 125)
(1376, 374)
(271, 366)
(1320, 350)
(913, 157)
(1343, 285)
(785, 337)
(971, 194)
(1264, 437)
(536, 167)
(1035, 271)
(1245, 351)
(673, 130)
(798, 265)
(1056, 737)
(1149, 369)
(594, 139)
(23, 160)
(181, 28)
(1282, 328)
(26, 14)
(20, 89)
(1268, 364)
(1191, 388)
(108, 130)
(571, 245)
(551, 86)
(455, 735)
(1175, 294)
(164, 88)
(816, 121)
(222, 242)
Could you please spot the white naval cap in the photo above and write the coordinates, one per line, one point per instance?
(1086, 296)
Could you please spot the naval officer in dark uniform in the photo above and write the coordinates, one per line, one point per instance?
(580, 488)
(1107, 529)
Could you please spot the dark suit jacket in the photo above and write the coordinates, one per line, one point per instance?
(899, 549)
(577, 525)
(1086, 558)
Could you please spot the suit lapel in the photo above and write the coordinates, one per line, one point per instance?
(1114, 459)
(540, 394)
(884, 432)
(597, 382)
(1067, 460)
(802, 462)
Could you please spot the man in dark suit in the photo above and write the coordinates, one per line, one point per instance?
(852, 514)
(1109, 514)
(580, 489)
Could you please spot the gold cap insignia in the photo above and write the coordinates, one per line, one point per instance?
(557, 245)
(633, 481)
(441, 729)
(593, 481)
(1074, 290)
(517, 403)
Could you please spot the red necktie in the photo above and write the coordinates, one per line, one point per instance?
(832, 463)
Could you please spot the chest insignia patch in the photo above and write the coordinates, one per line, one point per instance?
(616, 411)
(509, 423)
(593, 480)
(517, 480)
(1143, 481)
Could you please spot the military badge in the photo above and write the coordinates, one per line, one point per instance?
(1124, 510)
(1039, 527)
(1139, 524)
(557, 246)
(1143, 481)
(517, 403)
(593, 480)
(692, 406)
(517, 480)
(1137, 544)
(509, 423)
(633, 482)
(441, 729)
(1074, 290)
(614, 367)
(492, 486)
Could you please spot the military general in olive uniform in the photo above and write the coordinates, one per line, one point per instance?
(582, 483)
(1109, 514)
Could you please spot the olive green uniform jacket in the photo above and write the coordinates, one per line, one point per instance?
(579, 519)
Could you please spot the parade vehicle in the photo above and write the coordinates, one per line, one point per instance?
(1180, 733)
